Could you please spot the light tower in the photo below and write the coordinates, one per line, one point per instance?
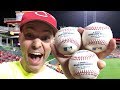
(85, 18)
(94, 16)
(87, 15)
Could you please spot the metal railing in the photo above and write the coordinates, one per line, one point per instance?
(9, 19)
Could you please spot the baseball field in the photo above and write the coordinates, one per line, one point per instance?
(112, 69)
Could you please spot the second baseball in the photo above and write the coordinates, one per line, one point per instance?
(96, 37)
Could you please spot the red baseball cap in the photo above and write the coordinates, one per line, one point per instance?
(39, 16)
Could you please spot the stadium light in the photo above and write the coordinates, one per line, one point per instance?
(86, 16)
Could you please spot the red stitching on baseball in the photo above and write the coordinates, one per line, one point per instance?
(68, 40)
(96, 41)
(83, 57)
(86, 72)
(66, 29)
(97, 28)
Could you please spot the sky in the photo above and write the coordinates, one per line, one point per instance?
(77, 18)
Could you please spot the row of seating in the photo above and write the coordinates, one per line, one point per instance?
(6, 56)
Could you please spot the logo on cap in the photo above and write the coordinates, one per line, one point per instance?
(41, 13)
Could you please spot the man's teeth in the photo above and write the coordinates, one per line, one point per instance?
(36, 53)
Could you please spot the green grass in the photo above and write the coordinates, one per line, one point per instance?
(112, 69)
(50, 57)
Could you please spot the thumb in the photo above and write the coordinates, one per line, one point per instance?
(101, 64)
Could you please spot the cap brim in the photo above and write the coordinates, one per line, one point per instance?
(55, 29)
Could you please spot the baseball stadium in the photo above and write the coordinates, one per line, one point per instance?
(10, 50)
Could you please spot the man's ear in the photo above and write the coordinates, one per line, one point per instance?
(53, 39)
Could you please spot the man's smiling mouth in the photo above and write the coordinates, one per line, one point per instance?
(35, 58)
(35, 55)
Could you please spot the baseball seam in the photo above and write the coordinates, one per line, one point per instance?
(68, 40)
(97, 28)
(100, 42)
(86, 72)
(83, 57)
(67, 29)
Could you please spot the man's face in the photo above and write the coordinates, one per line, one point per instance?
(35, 40)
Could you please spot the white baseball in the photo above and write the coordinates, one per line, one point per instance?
(96, 37)
(68, 40)
(83, 65)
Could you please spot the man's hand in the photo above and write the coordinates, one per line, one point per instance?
(102, 55)
(63, 60)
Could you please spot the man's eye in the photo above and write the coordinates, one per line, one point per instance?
(46, 38)
(29, 36)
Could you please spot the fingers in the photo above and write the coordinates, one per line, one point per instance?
(112, 45)
(80, 30)
(101, 64)
(110, 48)
(54, 51)
(56, 54)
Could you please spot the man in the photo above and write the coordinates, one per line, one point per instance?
(37, 31)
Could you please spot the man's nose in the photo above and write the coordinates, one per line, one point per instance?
(37, 43)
